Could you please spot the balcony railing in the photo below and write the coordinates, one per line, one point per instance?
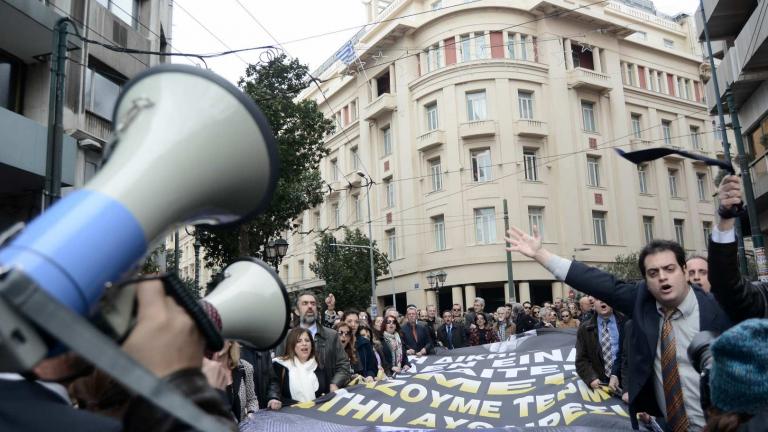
(477, 128)
(531, 128)
(430, 140)
(580, 77)
(380, 106)
(97, 126)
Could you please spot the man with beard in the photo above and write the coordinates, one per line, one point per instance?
(328, 349)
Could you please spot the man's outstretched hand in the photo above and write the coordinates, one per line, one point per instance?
(527, 245)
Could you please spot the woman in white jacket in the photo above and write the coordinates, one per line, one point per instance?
(300, 376)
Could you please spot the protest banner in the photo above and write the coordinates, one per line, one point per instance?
(528, 382)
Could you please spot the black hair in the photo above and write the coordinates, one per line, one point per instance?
(657, 246)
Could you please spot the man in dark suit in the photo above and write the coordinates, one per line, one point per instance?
(451, 335)
(666, 313)
(599, 346)
(416, 337)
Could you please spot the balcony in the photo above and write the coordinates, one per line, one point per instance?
(639, 144)
(97, 126)
(530, 128)
(384, 104)
(430, 140)
(724, 17)
(26, 28)
(479, 128)
(589, 79)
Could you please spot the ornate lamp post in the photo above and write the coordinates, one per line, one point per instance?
(275, 251)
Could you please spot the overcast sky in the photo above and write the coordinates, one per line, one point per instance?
(203, 26)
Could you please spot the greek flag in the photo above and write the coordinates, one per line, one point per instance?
(346, 53)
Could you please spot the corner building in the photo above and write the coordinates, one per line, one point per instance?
(460, 105)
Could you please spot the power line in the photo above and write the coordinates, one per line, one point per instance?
(235, 52)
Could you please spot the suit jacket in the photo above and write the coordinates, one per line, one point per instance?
(740, 298)
(589, 353)
(635, 301)
(423, 340)
(458, 336)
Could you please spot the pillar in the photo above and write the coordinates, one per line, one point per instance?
(664, 84)
(392, 79)
(636, 73)
(525, 292)
(568, 55)
(507, 298)
(648, 78)
(469, 295)
(518, 46)
(558, 290)
(596, 59)
(431, 298)
(457, 295)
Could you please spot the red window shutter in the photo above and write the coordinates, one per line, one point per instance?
(641, 73)
(593, 143)
(497, 44)
(450, 51)
(386, 165)
(599, 199)
(389, 218)
(671, 85)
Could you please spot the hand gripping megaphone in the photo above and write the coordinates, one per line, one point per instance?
(190, 147)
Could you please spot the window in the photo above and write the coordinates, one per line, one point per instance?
(666, 131)
(481, 165)
(390, 191)
(387, 133)
(481, 51)
(432, 116)
(391, 244)
(438, 228)
(707, 229)
(536, 219)
(354, 158)
(642, 177)
(525, 104)
(436, 5)
(523, 47)
(593, 171)
(126, 10)
(301, 270)
(336, 212)
(334, 169)
(317, 220)
(695, 142)
(358, 208)
(382, 84)
(511, 46)
(701, 186)
(434, 57)
(476, 106)
(668, 43)
(680, 231)
(10, 82)
(100, 94)
(464, 45)
(648, 229)
(485, 225)
(641, 35)
(436, 172)
(598, 228)
(673, 183)
(588, 116)
(531, 171)
(631, 78)
(91, 165)
(637, 129)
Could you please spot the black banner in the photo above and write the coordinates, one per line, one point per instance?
(528, 382)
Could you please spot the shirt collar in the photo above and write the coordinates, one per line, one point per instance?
(611, 318)
(685, 309)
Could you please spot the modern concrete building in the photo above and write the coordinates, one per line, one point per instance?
(460, 105)
(740, 31)
(94, 76)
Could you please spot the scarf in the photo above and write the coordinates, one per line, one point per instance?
(396, 346)
(302, 380)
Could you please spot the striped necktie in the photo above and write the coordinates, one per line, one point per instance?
(605, 345)
(673, 390)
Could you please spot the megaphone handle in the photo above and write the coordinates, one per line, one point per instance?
(37, 306)
(175, 288)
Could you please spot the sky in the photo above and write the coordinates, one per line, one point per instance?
(300, 26)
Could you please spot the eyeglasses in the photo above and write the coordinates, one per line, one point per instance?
(390, 321)
(526, 307)
(457, 310)
(566, 316)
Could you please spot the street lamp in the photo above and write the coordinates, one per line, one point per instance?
(436, 281)
(275, 251)
(368, 184)
(196, 245)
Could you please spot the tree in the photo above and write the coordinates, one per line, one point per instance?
(625, 267)
(299, 128)
(347, 271)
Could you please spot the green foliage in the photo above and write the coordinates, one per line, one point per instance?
(347, 272)
(625, 267)
(300, 128)
(150, 264)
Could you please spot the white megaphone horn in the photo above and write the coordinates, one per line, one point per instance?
(250, 304)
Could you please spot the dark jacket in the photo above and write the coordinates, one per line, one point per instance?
(740, 298)
(283, 377)
(458, 336)
(490, 336)
(589, 358)
(388, 355)
(264, 379)
(469, 319)
(524, 323)
(367, 366)
(636, 302)
(423, 340)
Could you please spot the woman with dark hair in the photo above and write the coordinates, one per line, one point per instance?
(345, 338)
(366, 365)
(393, 347)
(375, 339)
(482, 333)
(301, 378)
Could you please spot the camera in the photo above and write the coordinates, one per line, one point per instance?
(701, 359)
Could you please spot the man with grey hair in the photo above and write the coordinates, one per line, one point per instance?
(478, 307)
(416, 338)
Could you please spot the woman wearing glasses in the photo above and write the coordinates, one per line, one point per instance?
(567, 320)
(393, 348)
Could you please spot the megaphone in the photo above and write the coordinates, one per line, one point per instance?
(189, 147)
(250, 304)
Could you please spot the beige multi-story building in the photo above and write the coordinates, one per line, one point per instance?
(453, 107)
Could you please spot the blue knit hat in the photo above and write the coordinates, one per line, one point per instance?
(739, 376)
